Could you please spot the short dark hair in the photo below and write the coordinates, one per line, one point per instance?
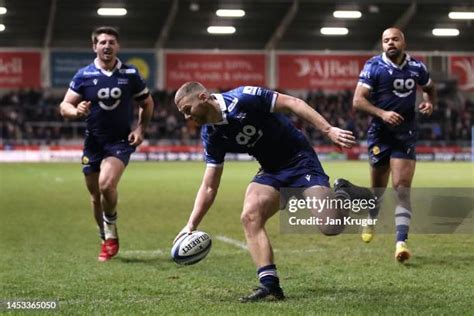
(104, 30)
(187, 89)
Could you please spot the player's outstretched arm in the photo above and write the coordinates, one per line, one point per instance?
(145, 114)
(204, 199)
(72, 106)
(361, 103)
(287, 103)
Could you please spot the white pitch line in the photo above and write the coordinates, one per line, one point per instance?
(232, 241)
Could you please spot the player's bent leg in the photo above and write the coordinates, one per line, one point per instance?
(106, 251)
(111, 170)
(261, 203)
(345, 190)
(403, 171)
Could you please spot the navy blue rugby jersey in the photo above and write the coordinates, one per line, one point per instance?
(111, 94)
(393, 87)
(249, 126)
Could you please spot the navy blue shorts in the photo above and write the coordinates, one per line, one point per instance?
(303, 171)
(95, 152)
(384, 144)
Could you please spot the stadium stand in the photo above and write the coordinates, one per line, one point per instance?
(31, 117)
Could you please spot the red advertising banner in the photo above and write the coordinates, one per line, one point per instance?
(317, 71)
(215, 70)
(20, 70)
(321, 71)
(462, 68)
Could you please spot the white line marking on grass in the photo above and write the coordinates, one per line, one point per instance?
(232, 241)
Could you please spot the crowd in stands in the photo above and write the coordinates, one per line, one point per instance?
(31, 117)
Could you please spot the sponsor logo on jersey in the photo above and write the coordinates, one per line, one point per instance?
(307, 177)
(402, 95)
(414, 64)
(122, 81)
(106, 94)
(250, 90)
(376, 150)
(91, 73)
(249, 136)
(402, 85)
(128, 71)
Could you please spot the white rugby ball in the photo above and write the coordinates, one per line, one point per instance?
(192, 248)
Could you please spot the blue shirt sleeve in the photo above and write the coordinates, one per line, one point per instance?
(424, 78)
(368, 75)
(214, 154)
(139, 88)
(262, 99)
(77, 83)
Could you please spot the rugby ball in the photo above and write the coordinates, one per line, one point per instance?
(191, 248)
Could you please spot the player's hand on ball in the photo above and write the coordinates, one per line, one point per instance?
(392, 118)
(341, 137)
(187, 230)
(83, 109)
(426, 108)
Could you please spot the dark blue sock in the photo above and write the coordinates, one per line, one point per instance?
(402, 232)
(268, 276)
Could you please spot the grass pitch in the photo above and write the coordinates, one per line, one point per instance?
(49, 244)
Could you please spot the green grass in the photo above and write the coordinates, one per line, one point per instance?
(48, 248)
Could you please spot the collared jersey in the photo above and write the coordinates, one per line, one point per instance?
(393, 87)
(111, 94)
(249, 126)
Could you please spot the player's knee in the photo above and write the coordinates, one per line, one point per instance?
(250, 219)
(107, 187)
(402, 189)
